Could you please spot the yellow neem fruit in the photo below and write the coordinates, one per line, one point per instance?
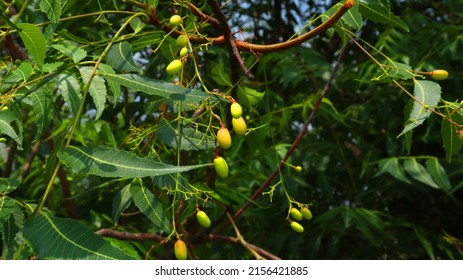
(182, 41)
(239, 126)
(174, 67)
(236, 110)
(297, 227)
(183, 52)
(203, 219)
(175, 20)
(460, 134)
(306, 214)
(224, 138)
(439, 74)
(296, 214)
(180, 250)
(221, 167)
(298, 168)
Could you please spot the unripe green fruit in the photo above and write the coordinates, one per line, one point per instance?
(296, 214)
(174, 67)
(224, 138)
(182, 41)
(236, 110)
(180, 250)
(439, 74)
(203, 219)
(297, 227)
(175, 20)
(239, 126)
(306, 214)
(183, 52)
(221, 167)
(460, 134)
(298, 168)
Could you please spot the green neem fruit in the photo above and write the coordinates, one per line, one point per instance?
(180, 250)
(297, 227)
(183, 52)
(306, 214)
(182, 41)
(439, 74)
(174, 67)
(296, 214)
(203, 219)
(236, 110)
(224, 138)
(298, 168)
(221, 167)
(239, 126)
(175, 20)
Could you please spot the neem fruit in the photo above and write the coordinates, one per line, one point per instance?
(175, 20)
(180, 250)
(439, 74)
(224, 138)
(203, 219)
(236, 110)
(221, 167)
(296, 214)
(182, 41)
(297, 227)
(174, 67)
(183, 52)
(298, 168)
(306, 214)
(239, 125)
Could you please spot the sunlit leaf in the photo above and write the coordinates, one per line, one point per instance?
(74, 52)
(11, 124)
(97, 89)
(69, 87)
(23, 71)
(418, 172)
(114, 87)
(248, 96)
(379, 11)
(34, 41)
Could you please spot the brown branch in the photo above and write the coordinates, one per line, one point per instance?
(203, 17)
(127, 236)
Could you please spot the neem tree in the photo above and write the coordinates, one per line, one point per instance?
(120, 117)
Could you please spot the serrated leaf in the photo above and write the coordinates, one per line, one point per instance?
(97, 89)
(121, 202)
(6, 208)
(398, 71)
(51, 67)
(42, 102)
(69, 87)
(438, 173)
(11, 124)
(137, 25)
(120, 57)
(427, 93)
(111, 162)
(52, 8)
(23, 71)
(418, 172)
(393, 167)
(12, 237)
(34, 41)
(149, 205)
(220, 76)
(351, 18)
(192, 139)
(8, 185)
(159, 88)
(377, 11)
(61, 238)
(248, 96)
(74, 52)
(114, 87)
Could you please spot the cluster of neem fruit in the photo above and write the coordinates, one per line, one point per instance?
(299, 215)
(182, 42)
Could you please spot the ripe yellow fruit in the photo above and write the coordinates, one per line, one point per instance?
(180, 250)
(296, 214)
(183, 52)
(203, 219)
(239, 126)
(297, 227)
(221, 167)
(182, 41)
(224, 138)
(460, 134)
(175, 20)
(298, 168)
(306, 214)
(439, 74)
(174, 67)
(236, 110)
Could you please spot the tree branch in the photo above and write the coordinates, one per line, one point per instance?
(121, 235)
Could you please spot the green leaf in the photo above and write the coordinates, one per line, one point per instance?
(11, 124)
(352, 18)
(8, 185)
(72, 51)
(427, 93)
(111, 162)
(137, 25)
(418, 172)
(23, 71)
(52, 8)
(69, 87)
(6, 208)
(42, 102)
(378, 11)
(159, 88)
(97, 89)
(192, 139)
(12, 236)
(114, 87)
(438, 173)
(149, 205)
(121, 58)
(121, 202)
(34, 41)
(398, 71)
(427, 245)
(248, 96)
(393, 167)
(60, 238)
(220, 76)
(452, 144)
